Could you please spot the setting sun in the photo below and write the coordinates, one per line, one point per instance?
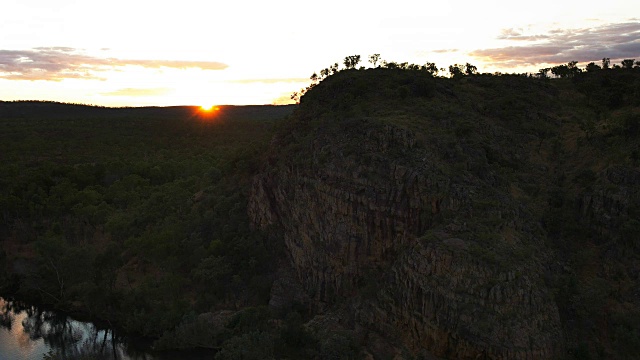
(209, 107)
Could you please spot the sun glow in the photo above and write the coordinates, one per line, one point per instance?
(209, 107)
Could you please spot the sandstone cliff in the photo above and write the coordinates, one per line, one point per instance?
(455, 218)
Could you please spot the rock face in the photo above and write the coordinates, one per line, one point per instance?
(428, 255)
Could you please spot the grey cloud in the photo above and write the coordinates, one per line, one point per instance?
(57, 63)
(615, 41)
(512, 34)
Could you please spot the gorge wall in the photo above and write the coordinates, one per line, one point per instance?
(423, 215)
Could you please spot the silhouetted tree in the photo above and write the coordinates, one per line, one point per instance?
(591, 67)
(564, 71)
(606, 62)
(456, 70)
(573, 68)
(334, 68)
(560, 71)
(390, 64)
(543, 73)
(350, 62)
(470, 69)
(627, 63)
(373, 59)
(431, 68)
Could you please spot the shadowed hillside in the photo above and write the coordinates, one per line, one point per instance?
(479, 216)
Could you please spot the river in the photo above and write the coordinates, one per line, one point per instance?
(28, 332)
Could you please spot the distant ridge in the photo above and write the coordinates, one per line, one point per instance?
(32, 109)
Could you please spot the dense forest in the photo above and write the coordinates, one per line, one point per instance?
(136, 216)
(150, 217)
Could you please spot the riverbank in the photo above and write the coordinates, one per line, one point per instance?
(34, 332)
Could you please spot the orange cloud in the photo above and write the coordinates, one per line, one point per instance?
(58, 63)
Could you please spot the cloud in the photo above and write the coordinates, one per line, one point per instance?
(615, 41)
(284, 99)
(138, 92)
(57, 63)
(444, 51)
(176, 64)
(516, 34)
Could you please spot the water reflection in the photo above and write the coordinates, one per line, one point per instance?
(28, 332)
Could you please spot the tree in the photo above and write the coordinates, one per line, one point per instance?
(591, 67)
(350, 62)
(543, 73)
(334, 68)
(390, 64)
(627, 63)
(373, 59)
(560, 71)
(456, 70)
(470, 69)
(573, 68)
(431, 68)
(297, 95)
(605, 63)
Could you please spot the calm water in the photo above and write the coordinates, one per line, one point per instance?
(27, 332)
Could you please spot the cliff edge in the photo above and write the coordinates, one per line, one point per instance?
(417, 210)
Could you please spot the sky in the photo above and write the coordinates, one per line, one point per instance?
(194, 52)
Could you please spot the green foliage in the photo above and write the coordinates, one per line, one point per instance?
(630, 125)
(255, 345)
(338, 346)
(135, 202)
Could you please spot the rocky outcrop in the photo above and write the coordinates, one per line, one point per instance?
(428, 259)
(438, 299)
(607, 206)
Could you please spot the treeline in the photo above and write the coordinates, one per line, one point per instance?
(568, 70)
(571, 69)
